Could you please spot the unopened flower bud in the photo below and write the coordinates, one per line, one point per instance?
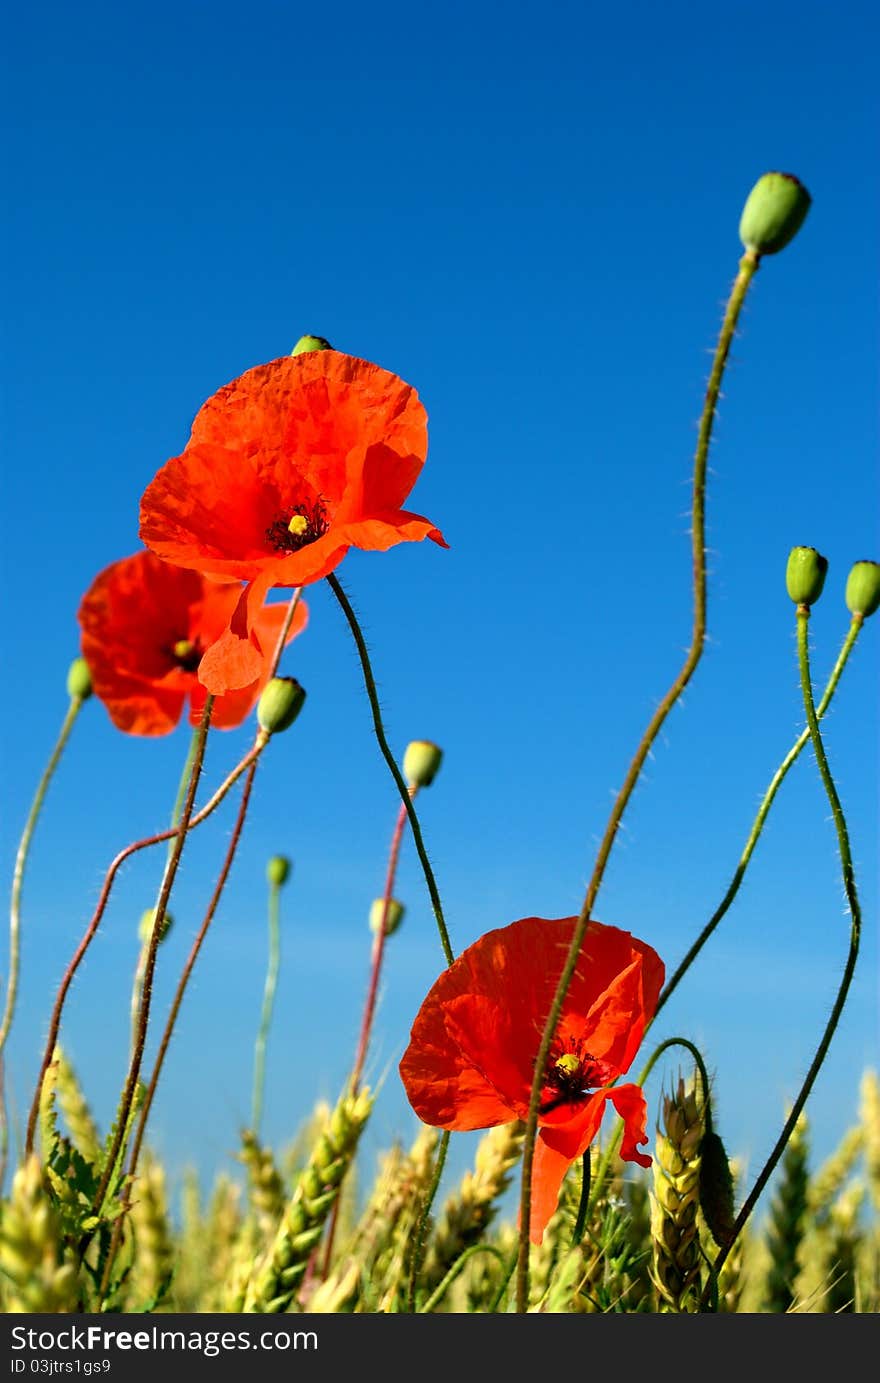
(805, 575)
(278, 870)
(393, 917)
(863, 588)
(311, 343)
(421, 763)
(79, 680)
(147, 922)
(774, 213)
(280, 704)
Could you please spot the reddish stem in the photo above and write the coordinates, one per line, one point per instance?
(88, 935)
(172, 1016)
(378, 949)
(372, 991)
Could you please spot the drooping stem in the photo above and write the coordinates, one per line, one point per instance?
(758, 824)
(134, 1066)
(144, 1114)
(849, 885)
(747, 268)
(370, 684)
(103, 899)
(73, 710)
(272, 969)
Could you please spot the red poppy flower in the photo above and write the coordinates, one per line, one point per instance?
(286, 468)
(145, 627)
(473, 1045)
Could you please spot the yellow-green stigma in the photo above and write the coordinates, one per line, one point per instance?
(568, 1064)
(304, 524)
(186, 655)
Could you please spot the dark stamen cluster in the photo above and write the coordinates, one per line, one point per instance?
(570, 1083)
(317, 523)
(187, 661)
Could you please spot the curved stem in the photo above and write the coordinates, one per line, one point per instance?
(73, 710)
(171, 1020)
(849, 884)
(269, 988)
(605, 1160)
(370, 684)
(134, 1066)
(419, 1237)
(748, 266)
(466, 1255)
(89, 934)
(763, 811)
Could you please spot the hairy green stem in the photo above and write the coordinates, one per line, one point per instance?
(758, 824)
(849, 885)
(134, 1065)
(171, 1020)
(747, 267)
(419, 1236)
(370, 684)
(73, 710)
(89, 934)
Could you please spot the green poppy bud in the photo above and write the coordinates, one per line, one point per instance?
(805, 575)
(311, 343)
(421, 763)
(280, 704)
(79, 680)
(278, 870)
(145, 926)
(393, 917)
(863, 588)
(716, 1189)
(774, 213)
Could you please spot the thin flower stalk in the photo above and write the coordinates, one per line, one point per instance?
(849, 885)
(747, 268)
(763, 812)
(272, 969)
(103, 899)
(379, 730)
(176, 1002)
(73, 710)
(134, 1067)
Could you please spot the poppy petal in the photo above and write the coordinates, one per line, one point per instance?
(237, 659)
(630, 1104)
(382, 531)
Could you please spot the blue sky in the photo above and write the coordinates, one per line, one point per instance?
(532, 219)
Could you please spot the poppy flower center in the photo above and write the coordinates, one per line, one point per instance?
(571, 1076)
(298, 527)
(186, 655)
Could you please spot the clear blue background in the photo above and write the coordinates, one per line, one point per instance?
(531, 215)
